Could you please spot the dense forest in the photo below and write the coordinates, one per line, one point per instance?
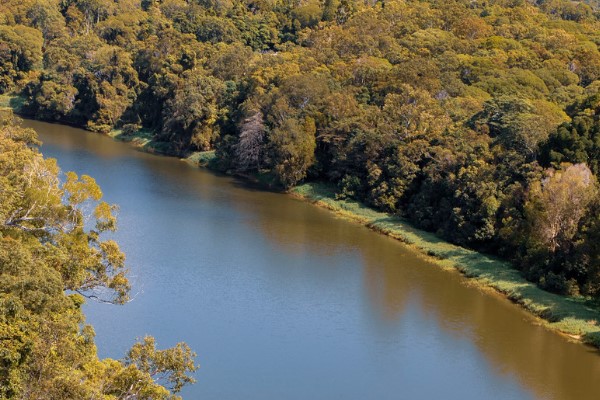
(477, 120)
(49, 264)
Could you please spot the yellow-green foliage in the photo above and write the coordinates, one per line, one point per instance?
(47, 350)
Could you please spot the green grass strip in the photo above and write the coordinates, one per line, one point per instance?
(144, 140)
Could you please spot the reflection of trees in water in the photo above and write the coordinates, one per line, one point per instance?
(541, 360)
(73, 139)
(395, 277)
(388, 277)
(297, 227)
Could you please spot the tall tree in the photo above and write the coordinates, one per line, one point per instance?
(556, 204)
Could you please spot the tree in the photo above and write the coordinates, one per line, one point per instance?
(519, 124)
(20, 52)
(113, 83)
(293, 150)
(190, 116)
(34, 206)
(413, 114)
(52, 101)
(556, 204)
(46, 17)
(50, 260)
(95, 11)
(579, 140)
(169, 366)
(250, 147)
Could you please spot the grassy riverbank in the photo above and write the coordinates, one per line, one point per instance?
(576, 317)
(144, 140)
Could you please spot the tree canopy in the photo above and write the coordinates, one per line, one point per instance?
(448, 113)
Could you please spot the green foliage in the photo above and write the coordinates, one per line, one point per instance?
(439, 111)
(46, 252)
(519, 124)
(170, 365)
(191, 115)
(293, 147)
(20, 54)
(579, 140)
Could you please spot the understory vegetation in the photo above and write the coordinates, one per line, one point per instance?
(476, 120)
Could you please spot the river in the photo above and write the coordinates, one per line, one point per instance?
(283, 300)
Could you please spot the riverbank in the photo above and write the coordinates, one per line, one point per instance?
(576, 318)
(141, 139)
(144, 140)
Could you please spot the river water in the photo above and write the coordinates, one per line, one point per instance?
(283, 300)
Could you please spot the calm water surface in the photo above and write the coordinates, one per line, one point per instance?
(282, 300)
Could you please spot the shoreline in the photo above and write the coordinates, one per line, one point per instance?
(574, 318)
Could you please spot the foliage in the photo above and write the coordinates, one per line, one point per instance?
(50, 261)
(448, 113)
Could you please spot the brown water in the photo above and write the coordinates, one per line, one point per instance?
(282, 300)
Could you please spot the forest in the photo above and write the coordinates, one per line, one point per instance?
(476, 120)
